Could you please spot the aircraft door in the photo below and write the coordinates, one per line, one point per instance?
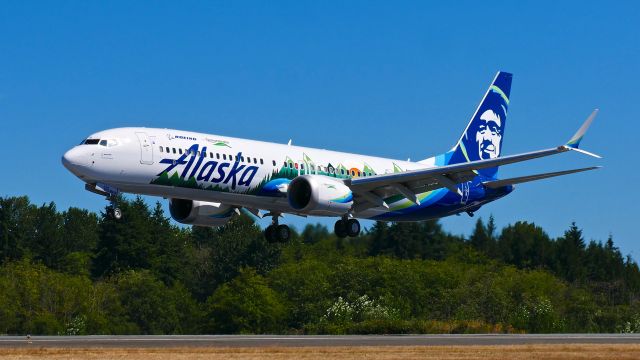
(146, 150)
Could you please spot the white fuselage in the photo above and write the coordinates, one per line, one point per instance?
(133, 160)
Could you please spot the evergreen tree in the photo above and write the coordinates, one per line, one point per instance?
(125, 244)
(379, 238)
(17, 218)
(480, 238)
(570, 252)
(169, 246)
(525, 245)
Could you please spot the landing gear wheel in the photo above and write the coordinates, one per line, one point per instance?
(277, 233)
(270, 235)
(114, 212)
(283, 233)
(353, 227)
(340, 228)
(117, 213)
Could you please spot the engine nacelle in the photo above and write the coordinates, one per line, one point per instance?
(200, 213)
(319, 195)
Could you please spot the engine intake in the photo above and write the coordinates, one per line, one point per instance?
(200, 213)
(319, 195)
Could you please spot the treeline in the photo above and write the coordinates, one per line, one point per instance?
(77, 272)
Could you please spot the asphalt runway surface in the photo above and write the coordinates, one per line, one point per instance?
(300, 341)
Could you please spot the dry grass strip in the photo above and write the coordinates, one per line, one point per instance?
(563, 351)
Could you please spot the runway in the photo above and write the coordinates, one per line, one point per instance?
(302, 341)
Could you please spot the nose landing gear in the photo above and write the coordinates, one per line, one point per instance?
(113, 211)
(277, 233)
(347, 227)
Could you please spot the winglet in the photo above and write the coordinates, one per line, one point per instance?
(574, 142)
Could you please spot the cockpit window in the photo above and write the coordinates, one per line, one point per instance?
(103, 142)
(92, 141)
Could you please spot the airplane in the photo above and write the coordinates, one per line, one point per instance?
(210, 178)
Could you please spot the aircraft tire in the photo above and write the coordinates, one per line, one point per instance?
(353, 227)
(283, 233)
(340, 228)
(269, 234)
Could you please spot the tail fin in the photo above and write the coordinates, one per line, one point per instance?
(482, 139)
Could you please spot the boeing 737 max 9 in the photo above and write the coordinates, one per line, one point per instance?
(209, 178)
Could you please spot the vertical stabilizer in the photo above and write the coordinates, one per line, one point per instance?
(482, 138)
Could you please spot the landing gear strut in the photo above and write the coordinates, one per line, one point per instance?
(275, 232)
(347, 227)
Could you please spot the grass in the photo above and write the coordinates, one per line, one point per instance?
(562, 351)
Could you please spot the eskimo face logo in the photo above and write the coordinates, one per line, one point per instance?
(489, 135)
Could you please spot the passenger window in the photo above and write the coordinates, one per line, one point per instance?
(342, 171)
(255, 161)
(161, 149)
(274, 162)
(218, 156)
(262, 162)
(301, 166)
(211, 155)
(224, 156)
(230, 157)
(180, 151)
(167, 148)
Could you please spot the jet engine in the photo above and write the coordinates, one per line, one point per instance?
(319, 195)
(200, 213)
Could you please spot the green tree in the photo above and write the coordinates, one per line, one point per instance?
(571, 250)
(17, 217)
(126, 243)
(219, 259)
(525, 245)
(169, 246)
(245, 305)
(154, 307)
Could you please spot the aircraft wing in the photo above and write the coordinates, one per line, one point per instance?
(522, 179)
(370, 191)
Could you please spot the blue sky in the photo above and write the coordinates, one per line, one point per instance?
(396, 79)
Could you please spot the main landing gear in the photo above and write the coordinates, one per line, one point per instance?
(347, 227)
(276, 233)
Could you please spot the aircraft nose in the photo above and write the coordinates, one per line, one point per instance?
(74, 160)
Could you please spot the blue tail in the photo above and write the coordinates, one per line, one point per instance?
(482, 139)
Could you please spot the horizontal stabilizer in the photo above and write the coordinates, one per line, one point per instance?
(501, 183)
